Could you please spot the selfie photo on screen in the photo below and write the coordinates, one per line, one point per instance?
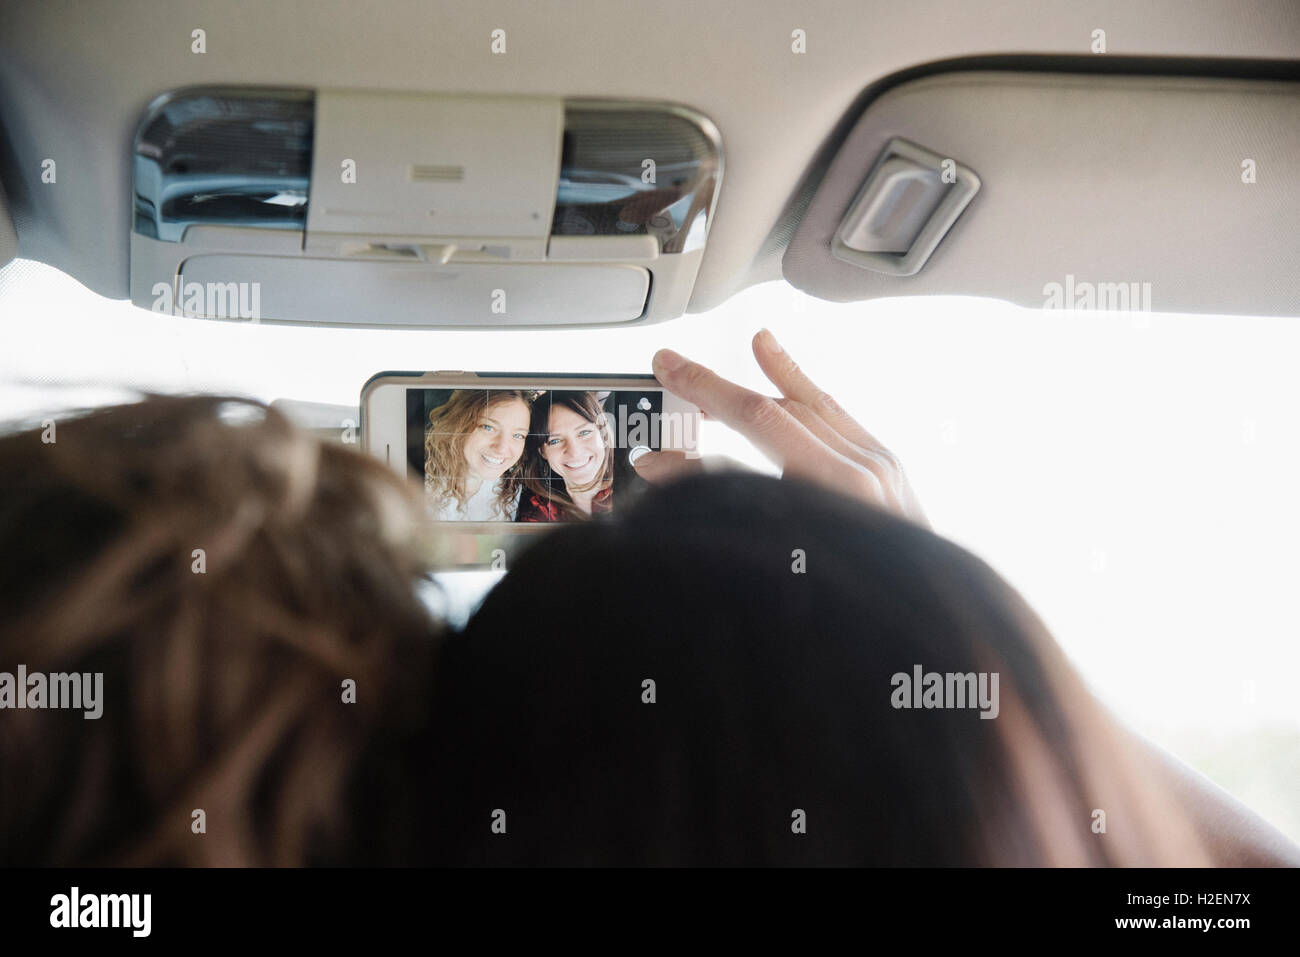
(529, 455)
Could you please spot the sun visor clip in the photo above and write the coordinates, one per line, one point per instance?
(908, 203)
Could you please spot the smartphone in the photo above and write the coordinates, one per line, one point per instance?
(504, 455)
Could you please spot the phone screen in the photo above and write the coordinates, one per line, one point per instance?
(535, 455)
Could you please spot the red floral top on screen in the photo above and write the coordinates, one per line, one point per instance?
(534, 508)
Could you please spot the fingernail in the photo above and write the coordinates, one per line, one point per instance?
(769, 342)
(639, 452)
(668, 360)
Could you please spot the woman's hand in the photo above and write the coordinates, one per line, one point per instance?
(804, 431)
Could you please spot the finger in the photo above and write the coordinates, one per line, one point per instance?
(759, 418)
(887, 478)
(659, 468)
(668, 465)
(814, 424)
(793, 383)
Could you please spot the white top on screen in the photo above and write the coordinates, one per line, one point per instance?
(482, 506)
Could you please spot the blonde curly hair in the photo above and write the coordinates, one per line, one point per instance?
(450, 425)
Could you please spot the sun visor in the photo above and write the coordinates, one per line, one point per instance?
(1171, 194)
(370, 208)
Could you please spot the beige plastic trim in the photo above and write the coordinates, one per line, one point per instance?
(901, 166)
(505, 150)
(1161, 194)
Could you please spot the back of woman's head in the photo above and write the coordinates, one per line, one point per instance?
(714, 678)
(229, 576)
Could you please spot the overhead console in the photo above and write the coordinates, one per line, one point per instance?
(409, 210)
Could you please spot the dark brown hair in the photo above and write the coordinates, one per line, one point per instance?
(694, 673)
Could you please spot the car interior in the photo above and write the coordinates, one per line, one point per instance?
(285, 199)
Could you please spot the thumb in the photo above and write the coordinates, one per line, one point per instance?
(660, 468)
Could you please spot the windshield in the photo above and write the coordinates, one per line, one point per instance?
(1132, 474)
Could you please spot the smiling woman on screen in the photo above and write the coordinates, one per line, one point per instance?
(570, 460)
(473, 447)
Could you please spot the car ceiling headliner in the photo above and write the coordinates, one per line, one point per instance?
(76, 77)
